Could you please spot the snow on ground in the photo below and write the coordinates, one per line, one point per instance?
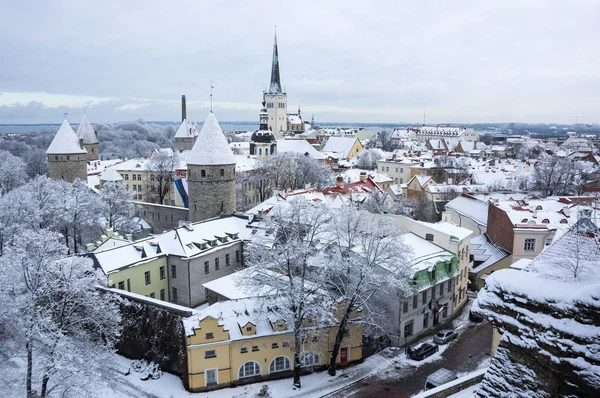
(468, 393)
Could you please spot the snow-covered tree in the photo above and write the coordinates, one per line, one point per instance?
(12, 172)
(37, 163)
(386, 141)
(52, 301)
(117, 209)
(294, 171)
(559, 176)
(367, 158)
(366, 257)
(378, 202)
(162, 167)
(291, 270)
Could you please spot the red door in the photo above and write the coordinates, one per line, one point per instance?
(344, 354)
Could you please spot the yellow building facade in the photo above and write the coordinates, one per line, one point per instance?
(233, 343)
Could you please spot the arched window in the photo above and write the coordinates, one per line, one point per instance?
(266, 151)
(309, 358)
(538, 207)
(249, 369)
(280, 364)
(524, 220)
(545, 221)
(260, 151)
(563, 221)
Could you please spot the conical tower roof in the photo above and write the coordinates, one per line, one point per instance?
(211, 147)
(65, 141)
(184, 130)
(86, 132)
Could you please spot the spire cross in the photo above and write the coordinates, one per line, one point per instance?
(211, 94)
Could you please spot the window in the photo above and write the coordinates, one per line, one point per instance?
(243, 350)
(449, 285)
(147, 277)
(441, 289)
(286, 343)
(202, 173)
(249, 369)
(547, 241)
(237, 256)
(173, 271)
(274, 345)
(248, 328)
(210, 354)
(122, 285)
(152, 295)
(309, 359)
(126, 176)
(135, 188)
(211, 377)
(529, 245)
(424, 296)
(415, 301)
(162, 272)
(174, 295)
(140, 188)
(227, 262)
(128, 285)
(426, 320)
(139, 177)
(405, 307)
(217, 263)
(56, 158)
(206, 267)
(445, 312)
(210, 336)
(408, 329)
(429, 237)
(162, 294)
(254, 347)
(133, 177)
(280, 364)
(222, 172)
(68, 157)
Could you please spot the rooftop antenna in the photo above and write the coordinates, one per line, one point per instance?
(423, 118)
(211, 94)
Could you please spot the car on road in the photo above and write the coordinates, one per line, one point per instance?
(444, 336)
(439, 377)
(423, 351)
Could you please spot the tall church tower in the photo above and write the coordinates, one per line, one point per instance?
(211, 174)
(275, 98)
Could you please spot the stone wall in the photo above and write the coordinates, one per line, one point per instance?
(68, 167)
(161, 217)
(211, 194)
(93, 151)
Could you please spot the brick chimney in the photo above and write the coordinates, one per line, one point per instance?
(339, 182)
(363, 176)
(183, 108)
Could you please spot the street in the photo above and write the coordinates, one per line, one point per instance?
(474, 339)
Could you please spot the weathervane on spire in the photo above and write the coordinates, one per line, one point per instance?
(211, 94)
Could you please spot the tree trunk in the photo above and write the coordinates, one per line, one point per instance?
(338, 342)
(297, 365)
(44, 385)
(29, 348)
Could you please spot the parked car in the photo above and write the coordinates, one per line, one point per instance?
(473, 317)
(423, 351)
(439, 377)
(444, 336)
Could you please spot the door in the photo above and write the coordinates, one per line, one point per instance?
(344, 354)
(211, 377)
(436, 318)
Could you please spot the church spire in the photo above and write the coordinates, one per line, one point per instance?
(275, 87)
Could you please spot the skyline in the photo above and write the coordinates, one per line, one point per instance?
(464, 62)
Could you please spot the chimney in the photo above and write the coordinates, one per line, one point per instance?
(183, 109)
(363, 176)
(339, 182)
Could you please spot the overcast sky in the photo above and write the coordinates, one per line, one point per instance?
(344, 61)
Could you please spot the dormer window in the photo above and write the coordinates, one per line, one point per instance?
(545, 221)
(524, 220)
(210, 336)
(538, 207)
(563, 221)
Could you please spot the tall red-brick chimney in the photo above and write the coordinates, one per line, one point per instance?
(183, 109)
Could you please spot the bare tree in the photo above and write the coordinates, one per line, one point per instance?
(367, 256)
(291, 271)
(559, 176)
(367, 159)
(162, 166)
(378, 202)
(386, 141)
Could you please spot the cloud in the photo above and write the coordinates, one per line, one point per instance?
(343, 61)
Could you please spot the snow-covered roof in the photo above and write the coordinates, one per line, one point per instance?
(211, 147)
(424, 253)
(232, 287)
(110, 174)
(468, 206)
(184, 130)
(340, 145)
(447, 228)
(294, 118)
(86, 132)
(485, 253)
(65, 141)
(299, 146)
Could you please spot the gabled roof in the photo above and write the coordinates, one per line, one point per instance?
(86, 132)
(340, 145)
(65, 141)
(468, 206)
(211, 147)
(111, 175)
